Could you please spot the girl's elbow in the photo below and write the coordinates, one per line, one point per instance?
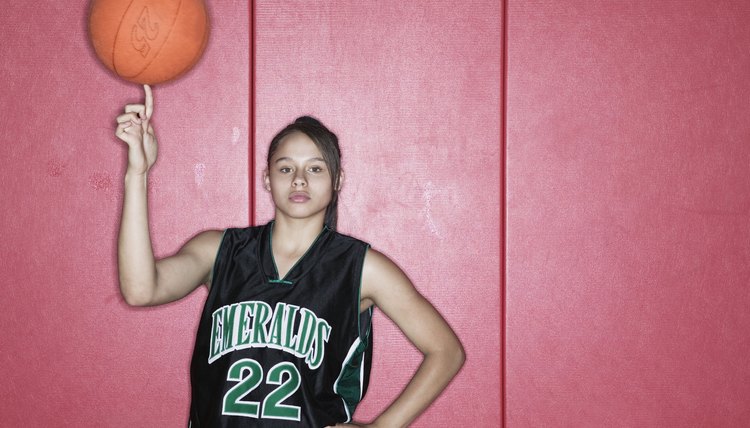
(133, 296)
(452, 357)
(458, 356)
(135, 301)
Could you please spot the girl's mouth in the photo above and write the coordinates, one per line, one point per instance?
(299, 197)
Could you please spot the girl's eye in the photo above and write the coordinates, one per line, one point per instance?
(316, 169)
(285, 170)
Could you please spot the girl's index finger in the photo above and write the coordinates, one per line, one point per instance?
(149, 101)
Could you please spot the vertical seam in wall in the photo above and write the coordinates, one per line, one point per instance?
(503, 204)
(251, 116)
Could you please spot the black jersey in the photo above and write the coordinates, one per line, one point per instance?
(281, 352)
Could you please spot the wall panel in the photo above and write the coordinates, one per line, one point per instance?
(628, 200)
(72, 352)
(413, 91)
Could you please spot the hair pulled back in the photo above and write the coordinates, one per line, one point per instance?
(328, 144)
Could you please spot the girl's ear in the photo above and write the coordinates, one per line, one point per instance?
(340, 181)
(266, 180)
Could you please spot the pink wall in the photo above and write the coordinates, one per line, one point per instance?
(413, 91)
(627, 201)
(71, 352)
(628, 164)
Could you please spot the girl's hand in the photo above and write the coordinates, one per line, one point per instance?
(134, 128)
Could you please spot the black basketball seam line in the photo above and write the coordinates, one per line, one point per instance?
(177, 12)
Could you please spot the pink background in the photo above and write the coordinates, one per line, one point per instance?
(628, 197)
(623, 186)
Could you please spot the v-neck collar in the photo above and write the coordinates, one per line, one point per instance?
(308, 260)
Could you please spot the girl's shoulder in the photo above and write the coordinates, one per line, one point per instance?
(346, 238)
(244, 234)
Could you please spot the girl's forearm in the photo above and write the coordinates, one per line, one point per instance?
(137, 268)
(434, 374)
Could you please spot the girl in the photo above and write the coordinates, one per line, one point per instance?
(285, 337)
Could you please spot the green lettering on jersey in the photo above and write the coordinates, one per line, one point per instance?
(215, 344)
(277, 325)
(306, 332)
(291, 314)
(227, 324)
(262, 315)
(315, 356)
(254, 324)
(246, 311)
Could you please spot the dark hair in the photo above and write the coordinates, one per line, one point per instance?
(328, 144)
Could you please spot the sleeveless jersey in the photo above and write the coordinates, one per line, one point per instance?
(281, 352)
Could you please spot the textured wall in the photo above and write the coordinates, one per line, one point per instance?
(72, 353)
(628, 199)
(413, 91)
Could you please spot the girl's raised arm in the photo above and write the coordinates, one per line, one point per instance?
(145, 281)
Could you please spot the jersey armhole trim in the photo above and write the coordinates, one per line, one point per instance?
(359, 294)
(216, 260)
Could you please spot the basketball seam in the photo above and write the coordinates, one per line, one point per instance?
(156, 55)
(114, 41)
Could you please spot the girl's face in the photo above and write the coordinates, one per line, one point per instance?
(298, 178)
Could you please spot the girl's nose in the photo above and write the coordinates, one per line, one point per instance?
(299, 180)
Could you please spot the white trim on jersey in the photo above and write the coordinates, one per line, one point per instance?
(361, 378)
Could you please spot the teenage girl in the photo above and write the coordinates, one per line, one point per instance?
(285, 337)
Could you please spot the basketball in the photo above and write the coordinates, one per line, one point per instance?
(148, 41)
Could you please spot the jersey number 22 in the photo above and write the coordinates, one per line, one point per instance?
(249, 374)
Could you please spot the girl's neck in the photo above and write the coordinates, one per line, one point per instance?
(291, 240)
(292, 236)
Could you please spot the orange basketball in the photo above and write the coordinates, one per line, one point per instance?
(148, 41)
